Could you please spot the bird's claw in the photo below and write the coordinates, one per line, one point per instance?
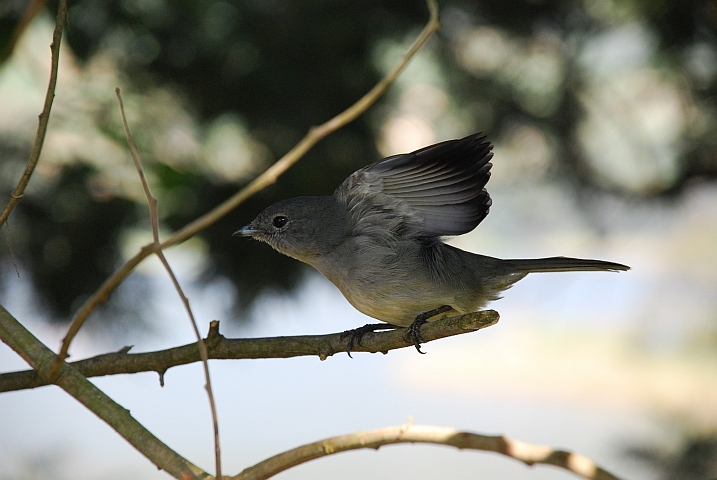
(356, 335)
(413, 333)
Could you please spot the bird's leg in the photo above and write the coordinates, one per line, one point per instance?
(357, 334)
(413, 332)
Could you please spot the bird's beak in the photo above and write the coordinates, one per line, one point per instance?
(245, 231)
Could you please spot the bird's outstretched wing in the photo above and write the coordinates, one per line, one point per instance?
(435, 191)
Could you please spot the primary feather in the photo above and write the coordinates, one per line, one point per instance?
(435, 191)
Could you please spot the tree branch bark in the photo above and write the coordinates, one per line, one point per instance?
(19, 191)
(154, 217)
(35, 353)
(219, 347)
(524, 452)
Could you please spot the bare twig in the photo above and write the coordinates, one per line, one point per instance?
(220, 348)
(41, 358)
(18, 193)
(152, 202)
(262, 181)
(524, 452)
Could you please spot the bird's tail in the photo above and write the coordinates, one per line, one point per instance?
(564, 264)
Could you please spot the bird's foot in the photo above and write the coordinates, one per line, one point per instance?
(355, 335)
(413, 332)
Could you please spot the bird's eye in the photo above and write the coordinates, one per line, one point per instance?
(279, 221)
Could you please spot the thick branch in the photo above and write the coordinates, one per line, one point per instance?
(218, 347)
(19, 191)
(69, 379)
(262, 181)
(524, 452)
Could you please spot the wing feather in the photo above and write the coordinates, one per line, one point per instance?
(435, 191)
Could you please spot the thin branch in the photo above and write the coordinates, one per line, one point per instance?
(524, 452)
(262, 181)
(221, 348)
(19, 191)
(41, 358)
(154, 216)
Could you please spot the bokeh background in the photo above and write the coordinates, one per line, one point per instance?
(604, 119)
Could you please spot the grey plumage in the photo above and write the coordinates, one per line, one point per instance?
(378, 237)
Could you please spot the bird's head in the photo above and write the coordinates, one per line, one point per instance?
(301, 227)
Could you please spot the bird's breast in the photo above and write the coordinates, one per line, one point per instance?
(386, 282)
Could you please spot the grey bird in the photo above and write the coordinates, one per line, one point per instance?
(378, 238)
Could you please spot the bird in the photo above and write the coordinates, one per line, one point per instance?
(380, 236)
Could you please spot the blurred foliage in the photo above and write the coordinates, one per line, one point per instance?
(539, 77)
(695, 459)
(71, 238)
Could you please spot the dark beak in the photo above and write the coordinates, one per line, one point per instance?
(245, 231)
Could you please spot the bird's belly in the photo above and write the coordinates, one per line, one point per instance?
(397, 303)
(394, 312)
(383, 288)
